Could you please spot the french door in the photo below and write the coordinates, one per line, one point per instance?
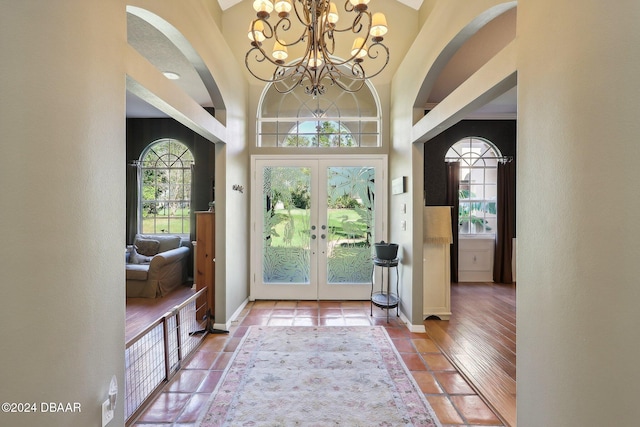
(314, 223)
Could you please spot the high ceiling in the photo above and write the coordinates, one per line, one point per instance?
(226, 4)
(165, 56)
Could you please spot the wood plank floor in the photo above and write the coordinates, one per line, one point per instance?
(480, 340)
(141, 312)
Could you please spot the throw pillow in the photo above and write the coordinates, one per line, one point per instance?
(147, 247)
(136, 258)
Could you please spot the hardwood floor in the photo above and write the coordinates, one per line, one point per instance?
(480, 340)
(141, 312)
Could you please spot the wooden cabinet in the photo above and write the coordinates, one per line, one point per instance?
(205, 266)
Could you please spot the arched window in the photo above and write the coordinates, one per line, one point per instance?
(165, 188)
(335, 119)
(478, 184)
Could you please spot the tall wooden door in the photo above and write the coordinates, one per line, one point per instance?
(206, 257)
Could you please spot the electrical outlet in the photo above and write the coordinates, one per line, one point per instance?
(107, 414)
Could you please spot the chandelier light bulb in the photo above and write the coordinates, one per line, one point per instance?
(257, 35)
(359, 5)
(378, 25)
(356, 51)
(263, 7)
(332, 16)
(313, 25)
(315, 62)
(283, 7)
(279, 52)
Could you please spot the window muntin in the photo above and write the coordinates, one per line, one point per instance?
(165, 188)
(335, 119)
(478, 184)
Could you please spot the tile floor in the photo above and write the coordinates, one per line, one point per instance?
(181, 401)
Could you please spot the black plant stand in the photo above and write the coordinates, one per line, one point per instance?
(385, 298)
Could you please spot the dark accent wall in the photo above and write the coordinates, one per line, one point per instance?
(142, 132)
(502, 133)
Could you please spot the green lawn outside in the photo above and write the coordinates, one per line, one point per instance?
(342, 223)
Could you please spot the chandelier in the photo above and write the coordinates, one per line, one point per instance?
(315, 31)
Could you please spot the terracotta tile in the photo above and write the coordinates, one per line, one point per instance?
(354, 304)
(201, 360)
(263, 304)
(311, 304)
(403, 345)
(413, 361)
(194, 407)
(426, 382)
(280, 321)
(353, 312)
(240, 331)
(283, 312)
(453, 383)
(213, 343)
(222, 361)
(331, 321)
(305, 321)
(186, 381)
(395, 332)
(425, 345)
(165, 408)
(286, 304)
(255, 320)
(357, 321)
(444, 410)
(307, 312)
(330, 312)
(475, 410)
(232, 344)
(330, 304)
(210, 382)
(437, 362)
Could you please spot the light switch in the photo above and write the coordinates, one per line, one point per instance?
(403, 225)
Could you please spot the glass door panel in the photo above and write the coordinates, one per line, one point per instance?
(350, 213)
(315, 222)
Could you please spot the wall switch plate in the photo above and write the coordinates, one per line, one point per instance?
(107, 414)
(403, 225)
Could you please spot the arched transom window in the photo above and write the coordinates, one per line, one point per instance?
(478, 184)
(165, 188)
(335, 119)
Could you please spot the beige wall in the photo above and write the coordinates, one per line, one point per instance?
(62, 167)
(62, 170)
(197, 23)
(578, 292)
(446, 27)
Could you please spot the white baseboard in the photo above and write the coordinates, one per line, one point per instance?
(234, 316)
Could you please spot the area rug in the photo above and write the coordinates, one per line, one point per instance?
(317, 376)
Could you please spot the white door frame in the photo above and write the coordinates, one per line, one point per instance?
(313, 291)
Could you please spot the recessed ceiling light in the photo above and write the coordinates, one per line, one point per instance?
(171, 75)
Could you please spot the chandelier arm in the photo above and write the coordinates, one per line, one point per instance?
(281, 25)
(317, 68)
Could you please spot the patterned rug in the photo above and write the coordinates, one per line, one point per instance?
(317, 376)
